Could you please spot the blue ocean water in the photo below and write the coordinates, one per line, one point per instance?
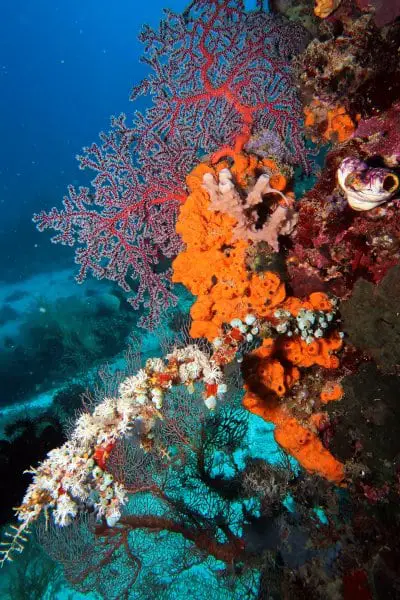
(66, 67)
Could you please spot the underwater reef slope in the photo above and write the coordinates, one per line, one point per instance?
(265, 179)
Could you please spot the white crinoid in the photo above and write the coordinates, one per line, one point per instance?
(120, 493)
(128, 414)
(191, 352)
(77, 487)
(60, 457)
(47, 482)
(86, 429)
(189, 371)
(106, 411)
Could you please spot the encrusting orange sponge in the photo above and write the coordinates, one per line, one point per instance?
(331, 392)
(299, 442)
(213, 266)
(269, 377)
(330, 123)
(318, 352)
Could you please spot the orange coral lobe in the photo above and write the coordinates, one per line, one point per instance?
(278, 182)
(308, 449)
(324, 8)
(331, 392)
(319, 352)
(205, 329)
(320, 301)
(339, 124)
(270, 372)
(299, 442)
(272, 375)
(266, 349)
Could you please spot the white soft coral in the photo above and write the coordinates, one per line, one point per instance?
(135, 385)
(66, 509)
(86, 429)
(106, 412)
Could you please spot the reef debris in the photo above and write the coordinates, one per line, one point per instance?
(349, 72)
(371, 319)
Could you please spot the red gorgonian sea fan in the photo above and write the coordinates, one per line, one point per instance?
(218, 75)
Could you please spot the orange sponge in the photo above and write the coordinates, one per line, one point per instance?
(319, 352)
(331, 391)
(270, 372)
(213, 266)
(297, 440)
(330, 123)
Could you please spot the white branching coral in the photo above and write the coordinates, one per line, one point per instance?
(195, 364)
(75, 476)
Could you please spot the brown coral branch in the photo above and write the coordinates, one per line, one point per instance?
(227, 552)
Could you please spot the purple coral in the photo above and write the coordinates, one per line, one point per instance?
(126, 225)
(219, 74)
(381, 135)
(222, 74)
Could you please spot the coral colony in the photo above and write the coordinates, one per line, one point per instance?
(219, 74)
(205, 181)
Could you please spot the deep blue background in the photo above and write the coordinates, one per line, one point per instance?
(65, 67)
